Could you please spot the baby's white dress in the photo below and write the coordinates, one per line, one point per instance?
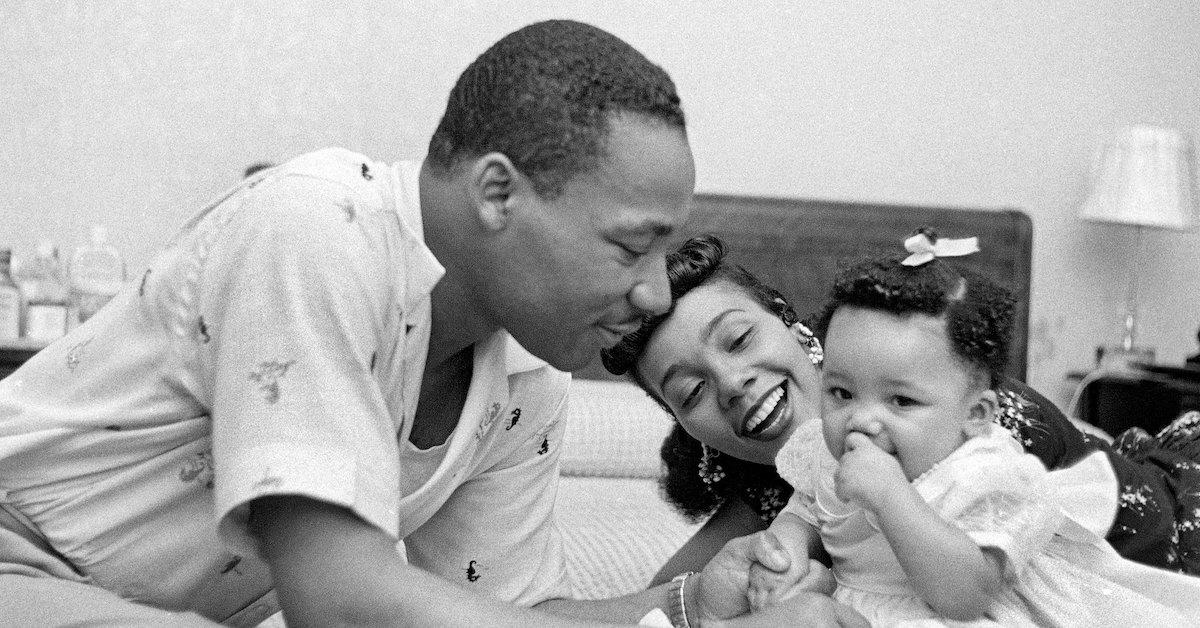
(1049, 527)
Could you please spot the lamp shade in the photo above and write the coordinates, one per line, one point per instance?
(1143, 175)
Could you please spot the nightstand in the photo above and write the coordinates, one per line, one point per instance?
(1149, 397)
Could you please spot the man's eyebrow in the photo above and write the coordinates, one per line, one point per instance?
(704, 337)
(655, 226)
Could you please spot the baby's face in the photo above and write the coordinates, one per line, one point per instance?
(896, 380)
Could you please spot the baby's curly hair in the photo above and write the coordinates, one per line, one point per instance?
(978, 311)
(701, 261)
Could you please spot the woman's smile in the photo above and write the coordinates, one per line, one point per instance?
(772, 411)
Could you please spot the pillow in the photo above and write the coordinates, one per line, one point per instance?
(614, 429)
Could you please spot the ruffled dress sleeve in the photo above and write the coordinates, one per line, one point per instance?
(802, 462)
(997, 495)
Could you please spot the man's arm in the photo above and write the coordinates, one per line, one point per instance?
(332, 568)
(732, 519)
(716, 593)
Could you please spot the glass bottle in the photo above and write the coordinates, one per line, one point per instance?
(10, 299)
(41, 279)
(97, 273)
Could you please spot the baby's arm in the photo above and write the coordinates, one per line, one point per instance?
(947, 568)
(800, 541)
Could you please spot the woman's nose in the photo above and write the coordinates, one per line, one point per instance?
(732, 386)
(652, 293)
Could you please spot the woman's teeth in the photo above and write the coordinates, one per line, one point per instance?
(764, 410)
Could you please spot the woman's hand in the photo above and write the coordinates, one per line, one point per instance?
(867, 474)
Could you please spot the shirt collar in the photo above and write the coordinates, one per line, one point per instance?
(423, 269)
(518, 359)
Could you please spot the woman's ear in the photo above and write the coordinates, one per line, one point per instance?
(982, 413)
(492, 186)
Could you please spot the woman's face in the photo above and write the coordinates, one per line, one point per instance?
(733, 374)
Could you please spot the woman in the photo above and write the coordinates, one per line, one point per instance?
(731, 362)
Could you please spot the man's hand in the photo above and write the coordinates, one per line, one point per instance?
(720, 589)
(768, 588)
(866, 474)
(805, 609)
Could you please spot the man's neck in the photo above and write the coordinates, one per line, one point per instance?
(456, 322)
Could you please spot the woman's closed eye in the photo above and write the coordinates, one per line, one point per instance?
(693, 395)
(741, 340)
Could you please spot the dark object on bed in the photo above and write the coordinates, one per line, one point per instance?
(796, 245)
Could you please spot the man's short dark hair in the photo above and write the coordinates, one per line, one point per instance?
(543, 96)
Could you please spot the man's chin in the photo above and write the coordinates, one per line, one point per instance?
(572, 361)
(565, 359)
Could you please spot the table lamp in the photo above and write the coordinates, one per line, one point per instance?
(1142, 176)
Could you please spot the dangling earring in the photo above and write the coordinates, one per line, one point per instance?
(812, 346)
(710, 470)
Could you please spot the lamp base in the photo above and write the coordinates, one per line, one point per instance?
(1120, 358)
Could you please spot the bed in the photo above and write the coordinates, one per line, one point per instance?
(617, 530)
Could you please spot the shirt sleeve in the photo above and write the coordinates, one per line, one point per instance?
(297, 291)
(497, 533)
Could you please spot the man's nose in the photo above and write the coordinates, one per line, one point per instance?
(652, 293)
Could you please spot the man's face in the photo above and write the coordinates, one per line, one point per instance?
(580, 270)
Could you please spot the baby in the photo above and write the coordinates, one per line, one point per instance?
(928, 511)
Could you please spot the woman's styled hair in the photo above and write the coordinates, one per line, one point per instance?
(978, 311)
(701, 261)
(543, 96)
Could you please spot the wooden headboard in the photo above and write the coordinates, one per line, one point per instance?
(796, 245)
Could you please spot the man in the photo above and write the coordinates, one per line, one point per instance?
(319, 365)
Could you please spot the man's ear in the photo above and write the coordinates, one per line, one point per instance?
(492, 184)
(983, 412)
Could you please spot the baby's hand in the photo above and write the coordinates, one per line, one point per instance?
(768, 588)
(865, 472)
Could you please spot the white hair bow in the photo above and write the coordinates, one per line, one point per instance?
(923, 250)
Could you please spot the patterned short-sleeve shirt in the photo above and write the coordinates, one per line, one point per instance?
(276, 346)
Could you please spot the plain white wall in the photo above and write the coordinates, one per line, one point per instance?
(132, 114)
